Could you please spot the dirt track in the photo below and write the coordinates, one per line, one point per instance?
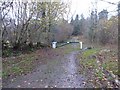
(60, 72)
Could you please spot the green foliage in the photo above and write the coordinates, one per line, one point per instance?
(86, 61)
(69, 48)
(108, 62)
(43, 16)
(16, 70)
(15, 67)
(111, 65)
(7, 52)
(89, 52)
(90, 63)
(99, 75)
(4, 74)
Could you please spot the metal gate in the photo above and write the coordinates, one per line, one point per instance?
(54, 44)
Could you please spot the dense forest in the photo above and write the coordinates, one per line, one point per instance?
(26, 24)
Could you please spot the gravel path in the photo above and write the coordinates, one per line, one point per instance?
(60, 72)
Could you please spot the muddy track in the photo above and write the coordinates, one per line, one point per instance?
(60, 72)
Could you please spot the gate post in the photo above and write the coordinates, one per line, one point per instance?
(54, 44)
(80, 45)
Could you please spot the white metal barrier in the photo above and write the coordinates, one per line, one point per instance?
(80, 45)
(54, 44)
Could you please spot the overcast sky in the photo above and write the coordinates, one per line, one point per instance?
(85, 7)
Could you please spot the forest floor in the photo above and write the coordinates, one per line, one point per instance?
(63, 67)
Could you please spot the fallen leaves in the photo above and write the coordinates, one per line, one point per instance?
(105, 61)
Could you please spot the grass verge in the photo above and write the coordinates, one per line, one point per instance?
(18, 65)
(24, 63)
(107, 60)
